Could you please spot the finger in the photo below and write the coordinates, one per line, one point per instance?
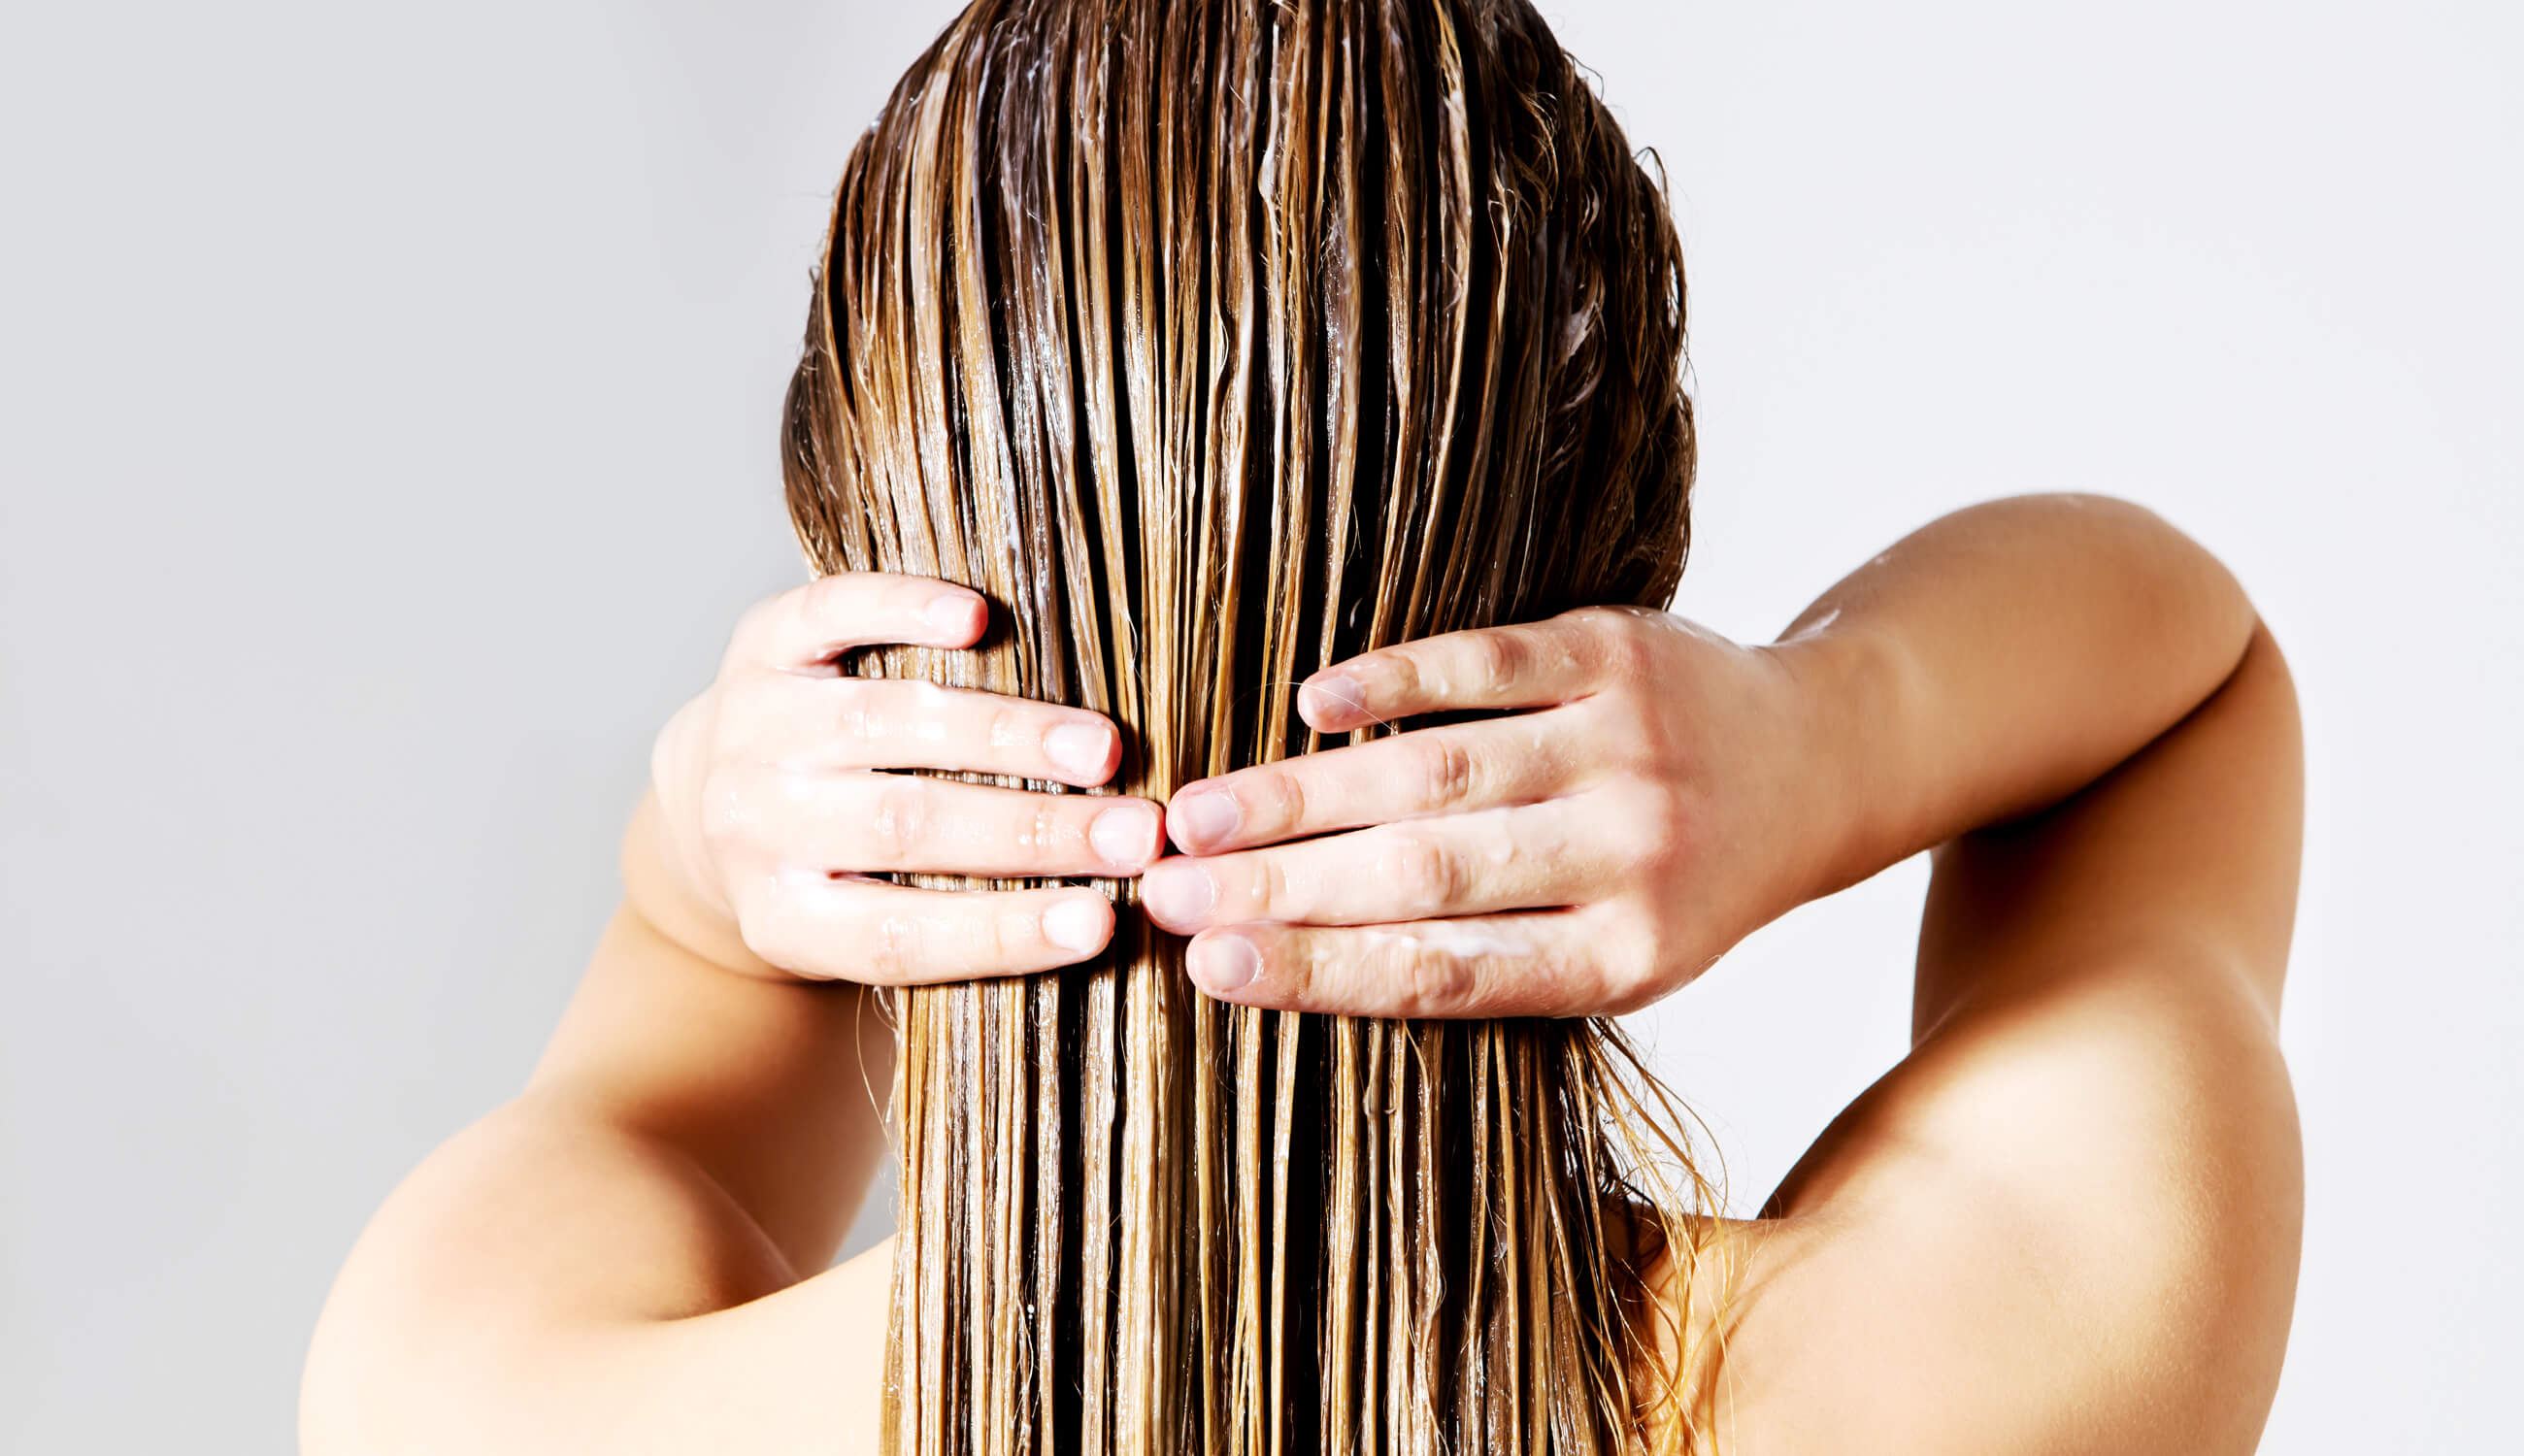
(814, 623)
(883, 822)
(1529, 664)
(1462, 864)
(1412, 775)
(901, 724)
(1540, 964)
(891, 934)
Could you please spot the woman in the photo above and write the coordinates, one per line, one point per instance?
(2067, 1221)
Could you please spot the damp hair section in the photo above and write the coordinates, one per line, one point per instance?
(1216, 341)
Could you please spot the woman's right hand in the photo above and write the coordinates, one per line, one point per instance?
(774, 809)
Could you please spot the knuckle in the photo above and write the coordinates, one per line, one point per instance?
(1390, 673)
(807, 612)
(1428, 981)
(1628, 739)
(729, 817)
(1056, 823)
(824, 599)
(766, 924)
(1448, 772)
(1648, 830)
(858, 710)
(766, 947)
(1266, 889)
(1424, 876)
(1627, 657)
(1627, 644)
(752, 926)
(1658, 864)
(1494, 661)
(1676, 836)
(898, 822)
(893, 950)
(1558, 983)
(1005, 726)
(1625, 966)
(1279, 797)
(1301, 966)
(1500, 844)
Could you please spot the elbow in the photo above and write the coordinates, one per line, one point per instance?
(2198, 610)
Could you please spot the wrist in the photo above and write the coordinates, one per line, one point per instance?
(657, 886)
(1857, 727)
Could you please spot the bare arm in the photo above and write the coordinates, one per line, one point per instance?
(630, 1257)
(2079, 1199)
(614, 1262)
(2001, 659)
(2069, 1221)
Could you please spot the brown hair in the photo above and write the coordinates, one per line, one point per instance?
(1217, 341)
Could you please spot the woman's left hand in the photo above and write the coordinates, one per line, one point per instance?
(1655, 805)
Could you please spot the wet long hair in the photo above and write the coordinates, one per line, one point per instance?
(1216, 341)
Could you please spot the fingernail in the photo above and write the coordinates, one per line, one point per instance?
(1079, 748)
(1076, 925)
(953, 615)
(1177, 893)
(1205, 816)
(1226, 964)
(1328, 696)
(1125, 835)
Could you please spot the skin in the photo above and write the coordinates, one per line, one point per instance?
(2066, 1222)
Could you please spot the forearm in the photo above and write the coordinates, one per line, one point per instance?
(1998, 660)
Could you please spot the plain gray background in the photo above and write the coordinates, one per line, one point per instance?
(389, 405)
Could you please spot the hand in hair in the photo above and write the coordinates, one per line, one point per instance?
(1667, 791)
(1586, 856)
(774, 810)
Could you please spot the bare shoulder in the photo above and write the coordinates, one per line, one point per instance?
(2070, 1219)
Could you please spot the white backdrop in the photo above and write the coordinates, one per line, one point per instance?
(389, 413)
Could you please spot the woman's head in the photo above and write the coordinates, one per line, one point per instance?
(1220, 339)
(1217, 341)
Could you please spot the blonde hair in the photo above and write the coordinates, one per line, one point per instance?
(1216, 341)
